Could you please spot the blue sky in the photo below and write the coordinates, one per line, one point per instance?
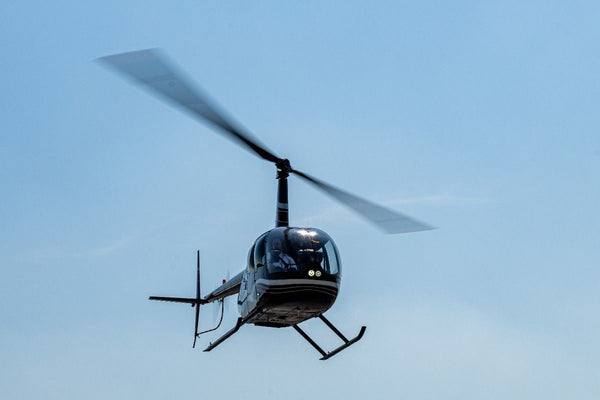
(480, 119)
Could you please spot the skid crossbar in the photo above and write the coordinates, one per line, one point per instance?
(347, 343)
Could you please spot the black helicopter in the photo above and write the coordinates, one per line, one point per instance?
(292, 274)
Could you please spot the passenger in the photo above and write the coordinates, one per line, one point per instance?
(279, 259)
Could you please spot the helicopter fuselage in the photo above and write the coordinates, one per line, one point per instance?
(293, 274)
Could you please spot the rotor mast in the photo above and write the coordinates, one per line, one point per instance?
(282, 217)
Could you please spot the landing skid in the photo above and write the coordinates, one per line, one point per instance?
(347, 343)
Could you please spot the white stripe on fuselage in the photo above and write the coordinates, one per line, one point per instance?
(287, 282)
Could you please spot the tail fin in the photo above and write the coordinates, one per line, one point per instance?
(195, 302)
(226, 289)
(198, 297)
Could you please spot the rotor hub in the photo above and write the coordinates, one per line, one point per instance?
(283, 168)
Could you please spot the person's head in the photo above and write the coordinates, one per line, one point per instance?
(276, 245)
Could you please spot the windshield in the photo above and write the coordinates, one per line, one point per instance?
(301, 250)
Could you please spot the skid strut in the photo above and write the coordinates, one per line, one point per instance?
(347, 343)
(240, 321)
(226, 336)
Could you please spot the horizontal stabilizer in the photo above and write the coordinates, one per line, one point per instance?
(179, 299)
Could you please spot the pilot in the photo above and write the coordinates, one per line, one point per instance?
(279, 259)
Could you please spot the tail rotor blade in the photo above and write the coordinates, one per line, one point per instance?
(216, 306)
(228, 301)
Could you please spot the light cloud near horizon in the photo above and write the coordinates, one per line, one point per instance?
(409, 351)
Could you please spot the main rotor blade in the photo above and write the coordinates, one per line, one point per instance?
(387, 220)
(150, 69)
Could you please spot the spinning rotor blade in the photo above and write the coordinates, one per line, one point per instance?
(387, 220)
(150, 69)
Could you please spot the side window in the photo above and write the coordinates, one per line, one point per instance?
(259, 251)
(331, 255)
(251, 258)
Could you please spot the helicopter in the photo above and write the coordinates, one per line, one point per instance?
(292, 274)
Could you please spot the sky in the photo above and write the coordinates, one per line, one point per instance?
(480, 118)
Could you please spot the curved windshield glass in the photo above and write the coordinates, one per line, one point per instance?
(301, 250)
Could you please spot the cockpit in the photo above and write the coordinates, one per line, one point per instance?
(295, 252)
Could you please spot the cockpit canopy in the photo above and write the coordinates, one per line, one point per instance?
(303, 250)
